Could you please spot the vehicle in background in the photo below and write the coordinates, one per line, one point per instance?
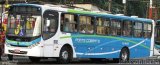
(157, 39)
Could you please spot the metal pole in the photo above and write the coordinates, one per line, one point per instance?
(147, 10)
(109, 5)
(125, 12)
(150, 9)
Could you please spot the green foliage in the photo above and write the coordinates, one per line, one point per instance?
(137, 8)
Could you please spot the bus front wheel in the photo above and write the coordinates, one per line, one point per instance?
(65, 55)
(124, 55)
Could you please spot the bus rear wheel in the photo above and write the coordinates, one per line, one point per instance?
(124, 55)
(34, 59)
(65, 55)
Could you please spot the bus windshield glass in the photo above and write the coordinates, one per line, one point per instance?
(24, 21)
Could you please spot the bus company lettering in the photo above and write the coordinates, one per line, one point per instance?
(80, 40)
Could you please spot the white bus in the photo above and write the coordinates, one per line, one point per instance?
(45, 31)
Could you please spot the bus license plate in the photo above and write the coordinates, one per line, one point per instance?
(16, 50)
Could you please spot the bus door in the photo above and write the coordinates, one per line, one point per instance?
(50, 26)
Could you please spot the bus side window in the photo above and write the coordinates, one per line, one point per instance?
(115, 27)
(107, 27)
(86, 24)
(138, 29)
(102, 26)
(127, 28)
(147, 30)
(68, 23)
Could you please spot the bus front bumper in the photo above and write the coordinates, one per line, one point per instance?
(24, 51)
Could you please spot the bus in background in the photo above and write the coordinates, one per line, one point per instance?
(157, 39)
(45, 31)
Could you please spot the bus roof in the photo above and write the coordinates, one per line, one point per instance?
(96, 14)
(105, 15)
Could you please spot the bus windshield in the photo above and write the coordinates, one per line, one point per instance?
(22, 25)
(24, 22)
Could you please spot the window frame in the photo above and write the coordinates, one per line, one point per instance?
(131, 29)
(147, 30)
(109, 24)
(134, 23)
(112, 27)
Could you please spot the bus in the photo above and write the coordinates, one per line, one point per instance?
(157, 39)
(57, 31)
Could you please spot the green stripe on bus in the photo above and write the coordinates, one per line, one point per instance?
(81, 12)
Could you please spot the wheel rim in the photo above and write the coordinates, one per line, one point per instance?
(124, 56)
(65, 55)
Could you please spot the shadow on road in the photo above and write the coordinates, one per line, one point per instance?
(53, 61)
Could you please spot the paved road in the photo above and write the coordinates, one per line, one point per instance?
(25, 61)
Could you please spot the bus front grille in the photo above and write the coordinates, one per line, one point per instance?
(19, 52)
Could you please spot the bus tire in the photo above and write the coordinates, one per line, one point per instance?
(10, 57)
(65, 55)
(124, 55)
(34, 59)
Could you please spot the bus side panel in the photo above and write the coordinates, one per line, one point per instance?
(142, 50)
(94, 46)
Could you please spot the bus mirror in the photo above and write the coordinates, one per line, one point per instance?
(48, 23)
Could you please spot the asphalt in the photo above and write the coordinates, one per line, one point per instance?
(20, 60)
